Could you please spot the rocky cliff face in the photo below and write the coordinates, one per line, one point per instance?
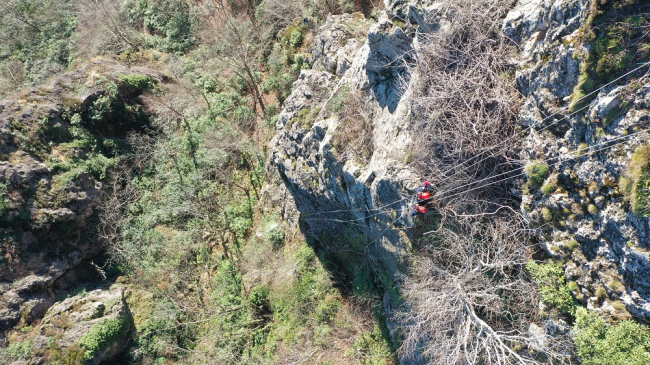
(338, 166)
(57, 143)
(354, 99)
(585, 220)
(583, 215)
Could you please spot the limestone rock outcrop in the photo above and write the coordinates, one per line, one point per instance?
(313, 176)
(588, 221)
(91, 328)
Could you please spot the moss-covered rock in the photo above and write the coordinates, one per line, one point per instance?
(97, 324)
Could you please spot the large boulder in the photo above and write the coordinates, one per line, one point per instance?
(88, 328)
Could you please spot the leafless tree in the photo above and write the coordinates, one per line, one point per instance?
(12, 75)
(106, 28)
(467, 102)
(282, 13)
(238, 44)
(470, 300)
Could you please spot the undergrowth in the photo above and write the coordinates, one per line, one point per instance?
(615, 32)
(553, 286)
(600, 343)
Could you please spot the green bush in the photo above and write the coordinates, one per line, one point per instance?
(549, 188)
(276, 236)
(599, 343)
(39, 40)
(362, 285)
(18, 350)
(259, 299)
(536, 172)
(294, 34)
(592, 209)
(553, 286)
(328, 308)
(4, 198)
(171, 25)
(296, 38)
(138, 83)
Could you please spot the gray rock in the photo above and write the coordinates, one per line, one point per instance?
(317, 188)
(612, 239)
(72, 319)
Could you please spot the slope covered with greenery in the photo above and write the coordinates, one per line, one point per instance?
(214, 278)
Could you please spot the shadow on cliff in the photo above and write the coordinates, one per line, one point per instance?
(386, 68)
(352, 234)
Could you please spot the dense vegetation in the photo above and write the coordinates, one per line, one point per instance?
(599, 342)
(38, 41)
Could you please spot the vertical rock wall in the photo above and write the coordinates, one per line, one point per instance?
(587, 222)
(332, 194)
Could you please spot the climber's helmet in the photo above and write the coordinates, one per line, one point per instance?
(421, 209)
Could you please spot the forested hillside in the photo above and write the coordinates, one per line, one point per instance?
(233, 182)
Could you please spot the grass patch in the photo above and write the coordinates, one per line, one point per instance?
(572, 245)
(636, 183)
(307, 116)
(614, 30)
(17, 350)
(536, 173)
(592, 209)
(338, 100)
(548, 189)
(371, 348)
(547, 214)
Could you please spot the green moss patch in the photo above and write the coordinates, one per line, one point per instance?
(104, 334)
(600, 343)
